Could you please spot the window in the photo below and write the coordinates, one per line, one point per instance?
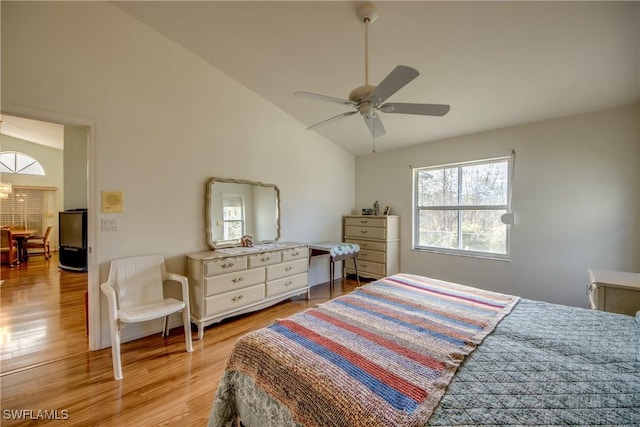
(458, 208)
(24, 206)
(19, 163)
(232, 216)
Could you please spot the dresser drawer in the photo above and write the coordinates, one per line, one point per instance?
(287, 269)
(267, 258)
(365, 245)
(366, 232)
(224, 265)
(366, 222)
(232, 281)
(295, 253)
(286, 284)
(233, 300)
(373, 256)
(367, 267)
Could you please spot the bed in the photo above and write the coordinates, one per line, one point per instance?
(408, 350)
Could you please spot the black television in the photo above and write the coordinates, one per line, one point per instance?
(72, 237)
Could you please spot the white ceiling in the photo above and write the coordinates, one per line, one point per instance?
(497, 64)
(44, 133)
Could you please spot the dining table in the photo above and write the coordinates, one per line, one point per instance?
(20, 236)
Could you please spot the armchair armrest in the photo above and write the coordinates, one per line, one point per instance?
(112, 299)
(183, 281)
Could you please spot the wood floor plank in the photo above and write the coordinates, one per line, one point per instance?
(45, 363)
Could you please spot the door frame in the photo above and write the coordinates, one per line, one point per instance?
(93, 275)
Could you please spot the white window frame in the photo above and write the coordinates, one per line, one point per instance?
(242, 220)
(27, 165)
(460, 208)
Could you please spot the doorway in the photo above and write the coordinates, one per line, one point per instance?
(71, 192)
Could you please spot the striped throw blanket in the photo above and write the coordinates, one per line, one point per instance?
(380, 356)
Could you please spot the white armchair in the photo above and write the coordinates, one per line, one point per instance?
(134, 293)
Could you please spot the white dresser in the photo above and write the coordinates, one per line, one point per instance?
(379, 241)
(231, 281)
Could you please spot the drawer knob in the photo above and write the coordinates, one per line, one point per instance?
(237, 279)
(237, 298)
(295, 253)
(363, 221)
(265, 258)
(288, 283)
(288, 268)
(364, 231)
(226, 265)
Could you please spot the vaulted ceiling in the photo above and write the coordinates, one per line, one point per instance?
(497, 64)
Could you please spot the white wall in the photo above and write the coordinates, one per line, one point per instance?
(75, 167)
(165, 121)
(575, 197)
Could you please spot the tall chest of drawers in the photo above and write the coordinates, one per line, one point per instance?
(379, 241)
(232, 281)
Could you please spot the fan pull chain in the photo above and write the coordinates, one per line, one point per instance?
(374, 134)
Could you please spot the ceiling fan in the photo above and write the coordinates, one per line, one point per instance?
(368, 100)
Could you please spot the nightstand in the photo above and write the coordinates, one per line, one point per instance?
(614, 291)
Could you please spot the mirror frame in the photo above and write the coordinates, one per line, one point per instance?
(216, 244)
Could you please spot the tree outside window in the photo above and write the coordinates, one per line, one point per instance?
(458, 208)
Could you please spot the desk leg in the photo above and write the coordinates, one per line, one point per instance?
(332, 268)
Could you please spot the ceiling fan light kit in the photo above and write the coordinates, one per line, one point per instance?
(367, 99)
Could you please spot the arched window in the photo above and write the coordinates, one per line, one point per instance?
(19, 163)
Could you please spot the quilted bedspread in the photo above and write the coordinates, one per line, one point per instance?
(380, 356)
(548, 364)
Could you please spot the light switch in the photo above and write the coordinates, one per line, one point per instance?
(110, 224)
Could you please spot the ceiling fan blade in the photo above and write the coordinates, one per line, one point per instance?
(375, 125)
(333, 119)
(396, 80)
(422, 109)
(325, 98)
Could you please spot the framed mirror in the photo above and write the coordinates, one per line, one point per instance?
(235, 208)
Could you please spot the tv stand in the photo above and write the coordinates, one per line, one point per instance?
(74, 259)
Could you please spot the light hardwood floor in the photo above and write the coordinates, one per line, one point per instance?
(46, 365)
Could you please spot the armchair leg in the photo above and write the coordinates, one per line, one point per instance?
(115, 352)
(165, 328)
(187, 329)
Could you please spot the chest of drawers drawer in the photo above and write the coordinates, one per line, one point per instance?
(365, 222)
(366, 232)
(286, 284)
(295, 253)
(373, 256)
(229, 301)
(225, 265)
(233, 281)
(287, 269)
(364, 267)
(261, 260)
(367, 245)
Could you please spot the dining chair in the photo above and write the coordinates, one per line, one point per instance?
(9, 248)
(135, 293)
(39, 242)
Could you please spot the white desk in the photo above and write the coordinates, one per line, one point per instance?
(337, 252)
